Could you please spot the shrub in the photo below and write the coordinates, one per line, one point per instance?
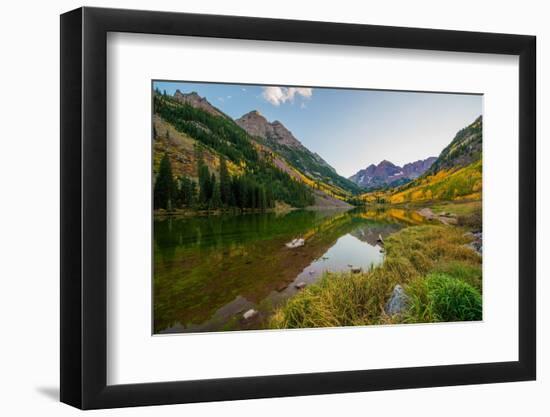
(440, 297)
(472, 221)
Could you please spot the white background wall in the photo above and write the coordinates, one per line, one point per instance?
(29, 225)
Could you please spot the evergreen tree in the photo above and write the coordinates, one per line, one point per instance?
(185, 192)
(165, 189)
(215, 201)
(205, 188)
(193, 194)
(212, 185)
(262, 198)
(225, 183)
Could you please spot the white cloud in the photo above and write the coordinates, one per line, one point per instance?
(278, 95)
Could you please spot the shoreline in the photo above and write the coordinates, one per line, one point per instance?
(283, 208)
(219, 212)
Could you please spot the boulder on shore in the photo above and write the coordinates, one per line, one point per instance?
(398, 302)
(477, 241)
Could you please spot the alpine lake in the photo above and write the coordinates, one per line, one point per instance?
(210, 270)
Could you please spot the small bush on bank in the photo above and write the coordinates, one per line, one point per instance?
(473, 221)
(440, 297)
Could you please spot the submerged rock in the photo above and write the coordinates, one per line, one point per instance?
(398, 302)
(300, 285)
(249, 314)
(295, 243)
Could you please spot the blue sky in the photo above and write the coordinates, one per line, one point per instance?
(350, 129)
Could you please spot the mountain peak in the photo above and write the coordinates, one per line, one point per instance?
(254, 114)
(276, 132)
(387, 172)
(193, 99)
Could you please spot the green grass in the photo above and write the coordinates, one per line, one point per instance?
(470, 274)
(442, 298)
(458, 208)
(433, 264)
(468, 214)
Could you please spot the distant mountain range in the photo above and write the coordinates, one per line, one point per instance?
(389, 174)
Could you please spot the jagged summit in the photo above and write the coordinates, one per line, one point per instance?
(257, 125)
(197, 101)
(386, 173)
(281, 140)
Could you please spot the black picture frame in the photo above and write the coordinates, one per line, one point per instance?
(84, 207)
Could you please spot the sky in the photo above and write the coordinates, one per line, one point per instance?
(349, 128)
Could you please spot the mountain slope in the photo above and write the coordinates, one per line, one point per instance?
(465, 148)
(457, 173)
(192, 133)
(278, 138)
(388, 174)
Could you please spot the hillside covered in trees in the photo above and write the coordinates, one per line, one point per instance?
(206, 161)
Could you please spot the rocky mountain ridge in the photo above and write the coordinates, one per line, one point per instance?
(278, 138)
(387, 173)
(257, 125)
(193, 99)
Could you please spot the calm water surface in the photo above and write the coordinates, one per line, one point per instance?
(209, 270)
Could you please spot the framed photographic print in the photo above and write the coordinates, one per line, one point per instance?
(257, 208)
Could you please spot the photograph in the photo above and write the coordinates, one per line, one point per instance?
(291, 207)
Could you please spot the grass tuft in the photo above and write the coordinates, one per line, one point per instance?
(440, 297)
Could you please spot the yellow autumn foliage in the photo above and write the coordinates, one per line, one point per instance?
(459, 184)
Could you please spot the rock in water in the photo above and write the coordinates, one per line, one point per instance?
(300, 285)
(295, 243)
(398, 302)
(250, 314)
(356, 270)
